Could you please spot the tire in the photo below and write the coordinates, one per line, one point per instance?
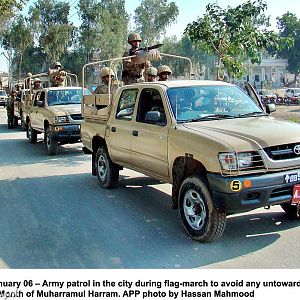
(31, 134)
(199, 216)
(51, 145)
(291, 211)
(107, 172)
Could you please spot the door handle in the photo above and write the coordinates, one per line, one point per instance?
(113, 129)
(135, 133)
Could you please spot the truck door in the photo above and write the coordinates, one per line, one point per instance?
(149, 135)
(37, 115)
(120, 127)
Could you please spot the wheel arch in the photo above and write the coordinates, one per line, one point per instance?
(97, 142)
(183, 167)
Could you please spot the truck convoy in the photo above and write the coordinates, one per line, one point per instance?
(54, 111)
(216, 144)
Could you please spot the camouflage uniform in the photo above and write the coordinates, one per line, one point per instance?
(57, 76)
(102, 88)
(10, 111)
(133, 72)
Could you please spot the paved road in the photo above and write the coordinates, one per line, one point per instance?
(54, 215)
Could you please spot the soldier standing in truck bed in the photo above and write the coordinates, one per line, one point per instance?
(102, 88)
(57, 75)
(132, 71)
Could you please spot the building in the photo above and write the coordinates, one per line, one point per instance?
(270, 73)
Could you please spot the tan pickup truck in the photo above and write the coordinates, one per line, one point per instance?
(215, 143)
(56, 112)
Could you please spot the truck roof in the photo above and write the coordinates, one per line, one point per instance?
(62, 88)
(183, 83)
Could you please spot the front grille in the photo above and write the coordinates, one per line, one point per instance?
(281, 152)
(77, 117)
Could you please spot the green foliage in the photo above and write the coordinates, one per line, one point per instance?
(234, 35)
(103, 28)
(152, 17)
(51, 27)
(289, 28)
(18, 37)
(185, 47)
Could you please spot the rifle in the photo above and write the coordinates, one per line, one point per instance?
(151, 47)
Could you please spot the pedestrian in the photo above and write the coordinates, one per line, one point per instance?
(102, 88)
(10, 109)
(163, 73)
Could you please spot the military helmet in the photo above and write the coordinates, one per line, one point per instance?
(29, 74)
(36, 80)
(151, 71)
(57, 64)
(164, 69)
(134, 37)
(106, 71)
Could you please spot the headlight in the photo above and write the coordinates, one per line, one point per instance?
(233, 161)
(62, 119)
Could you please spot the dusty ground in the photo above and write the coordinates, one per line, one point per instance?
(291, 113)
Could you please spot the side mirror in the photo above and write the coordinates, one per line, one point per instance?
(152, 117)
(40, 103)
(270, 108)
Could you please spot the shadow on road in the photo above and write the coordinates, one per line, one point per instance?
(70, 222)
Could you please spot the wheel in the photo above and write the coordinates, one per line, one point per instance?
(200, 218)
(31, 134)
(52, 145)
(107, 172)
(291, 211)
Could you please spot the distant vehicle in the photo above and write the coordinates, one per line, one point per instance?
(56, 112)
(292, 95)
(3, 98)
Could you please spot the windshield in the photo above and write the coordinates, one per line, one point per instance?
(3, 93)
(66, 96)
(208, 102)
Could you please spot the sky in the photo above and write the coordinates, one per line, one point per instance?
(189, 11)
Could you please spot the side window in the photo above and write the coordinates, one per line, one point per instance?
(126, 105)
(151, 108)
(36, 98)
(42, 97)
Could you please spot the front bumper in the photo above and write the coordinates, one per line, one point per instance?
(231, 196)
(66, 134)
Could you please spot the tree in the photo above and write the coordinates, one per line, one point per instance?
(152, 17)
(54, 33)
(234, 35)
(103, 28)
(17, 38)
(185, 47)
(289, 26)
(8, 9)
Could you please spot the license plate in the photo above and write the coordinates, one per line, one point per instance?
(296, 194)
(292, 178)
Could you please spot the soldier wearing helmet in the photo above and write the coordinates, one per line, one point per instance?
(102, 88)
(163, 73)
(151, 74)
(37, 83)
(132, 71)
(57, 75)
(10, 109)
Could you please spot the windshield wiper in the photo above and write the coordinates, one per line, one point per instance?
(252, 114)
(210, 117)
